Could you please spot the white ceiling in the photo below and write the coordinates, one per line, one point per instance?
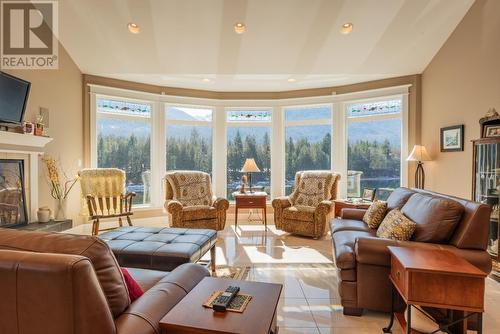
(183, 41)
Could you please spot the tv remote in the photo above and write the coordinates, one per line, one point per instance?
(222, 302)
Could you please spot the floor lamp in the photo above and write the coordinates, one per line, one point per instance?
(419, 154)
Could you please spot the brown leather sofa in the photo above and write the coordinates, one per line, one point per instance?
(363, 259)
(60, 283)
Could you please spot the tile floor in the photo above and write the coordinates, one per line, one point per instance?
(309, 302)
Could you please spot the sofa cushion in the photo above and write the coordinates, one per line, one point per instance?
(147, 278)
(190, 187)
(312, 188)
(398, 198)
(396, 226)
(97, 251)
(338, 224)
(302, 213)
(436, 217)
(375, 214)
(343, 247)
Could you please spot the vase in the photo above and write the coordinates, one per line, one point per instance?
(60, 210)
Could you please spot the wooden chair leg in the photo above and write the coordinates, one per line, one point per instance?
(95, 227)
(129, 221)
(120, 222)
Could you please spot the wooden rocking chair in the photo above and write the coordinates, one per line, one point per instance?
(104, 193)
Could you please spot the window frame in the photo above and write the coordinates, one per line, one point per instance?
(312, 122)
(402, 116)
(95, 116)
(168, 122)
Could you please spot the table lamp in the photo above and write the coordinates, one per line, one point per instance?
(250, 167)
(419, 154)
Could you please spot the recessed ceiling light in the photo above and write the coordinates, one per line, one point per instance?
(346, 28)
(206, 80)
(292, 80)
(133, 28)
(239, 28)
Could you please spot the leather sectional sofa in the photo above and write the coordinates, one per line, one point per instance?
(363, 259)
(62, 283)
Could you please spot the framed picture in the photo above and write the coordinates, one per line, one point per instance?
(368, 194)
(491, 131)
(452, 138)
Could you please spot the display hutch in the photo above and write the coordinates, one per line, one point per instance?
(486, 178)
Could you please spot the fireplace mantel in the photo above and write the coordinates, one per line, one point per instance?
(31, 146)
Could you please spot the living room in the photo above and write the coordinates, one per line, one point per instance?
(334, 160)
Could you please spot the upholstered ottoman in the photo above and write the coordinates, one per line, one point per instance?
(160, 248)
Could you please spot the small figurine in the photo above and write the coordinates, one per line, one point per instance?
(491, 113)
(243, 183)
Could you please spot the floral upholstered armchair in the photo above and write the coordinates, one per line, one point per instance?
(308, 207)
(190, 203)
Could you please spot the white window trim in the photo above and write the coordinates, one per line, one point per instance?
(277, 123)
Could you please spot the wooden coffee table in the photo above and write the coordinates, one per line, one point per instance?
(343, 203)
(189, 316)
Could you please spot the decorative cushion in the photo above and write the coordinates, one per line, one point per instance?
(302, 213)
(312, 187)
(375, 214)
(436, 217)
(134, 290)
(396, 226)
(191, 187)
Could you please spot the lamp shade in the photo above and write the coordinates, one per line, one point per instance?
(419, 153)
(250, 166)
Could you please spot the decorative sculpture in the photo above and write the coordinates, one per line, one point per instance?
(243, 183)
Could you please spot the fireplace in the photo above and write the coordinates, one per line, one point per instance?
(13, 208)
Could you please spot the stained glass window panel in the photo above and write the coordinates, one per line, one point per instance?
(374, 108)
(242, 115)
(111, 106)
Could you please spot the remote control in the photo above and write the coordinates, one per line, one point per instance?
(222, 302)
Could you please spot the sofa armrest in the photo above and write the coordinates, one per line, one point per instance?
(279, 203)
(173, 206)
(221, 204)
(355, 214)
(324, 208)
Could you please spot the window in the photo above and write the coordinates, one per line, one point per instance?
(188, 138)
(308, 139)
(373, 145)
(123, 130)
(248, 136)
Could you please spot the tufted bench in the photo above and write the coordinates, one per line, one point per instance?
(160, 248)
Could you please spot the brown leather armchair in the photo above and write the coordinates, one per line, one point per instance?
(308, 207)
(363, 259)
(61, 283)
(190, 203)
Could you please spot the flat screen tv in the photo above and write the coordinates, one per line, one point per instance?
(13, 98)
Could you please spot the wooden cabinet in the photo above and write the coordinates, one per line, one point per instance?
(486, 183)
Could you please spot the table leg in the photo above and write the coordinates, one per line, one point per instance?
(212, 258)
(236, 219)
(388, 329)
(408, 319)
(265, 218)
(480, 323)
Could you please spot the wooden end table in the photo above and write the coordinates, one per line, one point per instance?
(440, 279)
(343, 203)
(248, 200)
(259, 317)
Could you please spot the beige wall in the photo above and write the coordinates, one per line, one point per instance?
(61, 92)
(458, 87)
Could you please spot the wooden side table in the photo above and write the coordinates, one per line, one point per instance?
(343, 203)
(255, 200)
(440, 279)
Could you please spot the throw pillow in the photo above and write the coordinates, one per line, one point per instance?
(396, 226)
(375, 214)
(134, 290)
